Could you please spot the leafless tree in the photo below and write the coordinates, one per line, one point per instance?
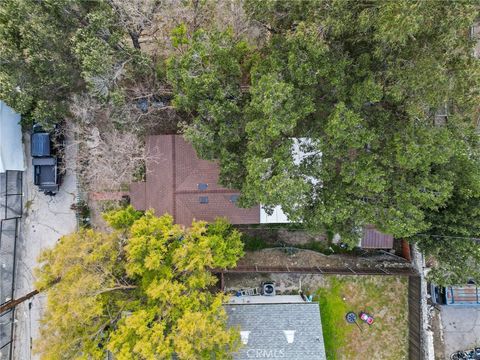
(109, 142)
(135, 16)
(230, 14)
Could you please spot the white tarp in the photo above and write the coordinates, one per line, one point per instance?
(299, 154)
(11, 148)
(277, 217)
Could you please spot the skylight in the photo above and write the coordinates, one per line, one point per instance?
(244, 337)
(290, 335)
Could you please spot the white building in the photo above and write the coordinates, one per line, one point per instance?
(11, 148)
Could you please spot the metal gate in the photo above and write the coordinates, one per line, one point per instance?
(11, 208)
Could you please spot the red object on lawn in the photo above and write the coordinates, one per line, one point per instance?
(367, 318)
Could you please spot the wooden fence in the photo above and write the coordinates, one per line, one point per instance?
(414, 319)
(345, 270)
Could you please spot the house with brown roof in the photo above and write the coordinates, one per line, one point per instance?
(178, 182)
(185, 186)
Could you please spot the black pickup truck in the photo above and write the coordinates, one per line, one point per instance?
(45, 159)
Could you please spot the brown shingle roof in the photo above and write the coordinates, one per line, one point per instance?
(174, 173)
(374, 239)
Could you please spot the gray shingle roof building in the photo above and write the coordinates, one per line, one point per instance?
(291, 331)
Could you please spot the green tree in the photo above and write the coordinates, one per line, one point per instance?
(452, 242)
(142, 290)
(52, 49)
(37, 67)
(208, 80)
(361, 85)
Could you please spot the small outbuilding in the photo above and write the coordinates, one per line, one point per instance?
(374, 239)
(11, 147)
(277, 327)
(467, 294)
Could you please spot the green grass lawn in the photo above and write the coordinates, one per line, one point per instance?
(384, 297)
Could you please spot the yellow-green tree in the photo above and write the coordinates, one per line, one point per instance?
(142, 290)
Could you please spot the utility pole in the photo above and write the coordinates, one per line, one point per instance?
(12, 303)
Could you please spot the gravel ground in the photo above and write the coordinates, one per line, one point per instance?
(426, 330)
(44, 221)
(284, 283)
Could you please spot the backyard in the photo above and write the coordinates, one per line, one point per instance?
(383, 297)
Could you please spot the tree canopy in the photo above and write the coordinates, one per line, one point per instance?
(142, 290)
(50, 50)
(381, 98)
(345, 113)
(454, 237)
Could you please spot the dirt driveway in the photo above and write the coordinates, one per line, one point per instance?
(45, 220)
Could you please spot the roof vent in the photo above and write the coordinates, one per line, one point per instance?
(202, 186)
(203, 199)
(290, 335)
(244, 337)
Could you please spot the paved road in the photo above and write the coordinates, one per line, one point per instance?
(44, 221)
(461, 328)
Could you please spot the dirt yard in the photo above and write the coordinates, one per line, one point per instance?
(310, 258)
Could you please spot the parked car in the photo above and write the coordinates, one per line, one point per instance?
(45, 150)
